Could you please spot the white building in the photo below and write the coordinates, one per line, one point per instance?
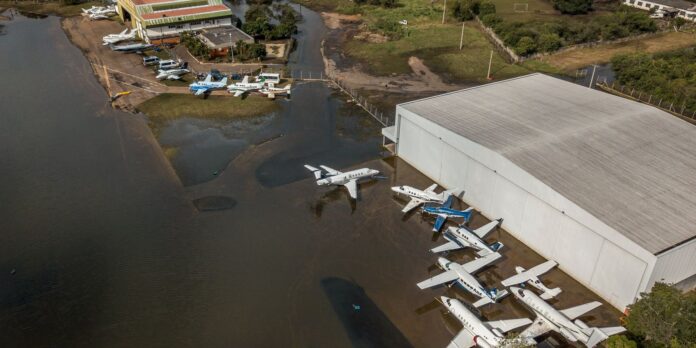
(682, 8)
(603, 185)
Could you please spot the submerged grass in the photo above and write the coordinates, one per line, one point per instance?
(50, 7)
(168, 107)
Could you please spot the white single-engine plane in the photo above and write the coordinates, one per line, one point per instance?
(116, 38)
(419, 197)
(240, 88)
(484, 334)
(561, 321)
(531, 277)
(328, 176)
(271, 91)
(462, 274)
(462, 237)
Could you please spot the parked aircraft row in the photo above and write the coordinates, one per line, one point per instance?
(239, 88)
(99, 12)
(488, 334)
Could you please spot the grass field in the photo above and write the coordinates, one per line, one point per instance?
(575, 59)
(171, 106)
(53, 7)
(438, 46)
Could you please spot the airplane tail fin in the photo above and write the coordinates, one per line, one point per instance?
(493, 247)
(496, 294)
(599, 334)
(551, 293)
(316, 171)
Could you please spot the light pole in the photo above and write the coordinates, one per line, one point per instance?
(444, 9)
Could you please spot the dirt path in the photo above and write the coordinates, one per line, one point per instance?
(344, 27)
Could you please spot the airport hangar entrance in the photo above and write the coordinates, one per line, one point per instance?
(603, 185)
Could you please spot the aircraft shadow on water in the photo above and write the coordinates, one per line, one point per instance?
(365, 324)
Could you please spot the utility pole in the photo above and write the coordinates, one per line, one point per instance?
(461, 39)
(594, 68)
(490, 62)
(444, 10)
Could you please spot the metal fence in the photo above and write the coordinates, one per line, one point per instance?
(674, 106)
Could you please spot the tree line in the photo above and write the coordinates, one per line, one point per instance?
(668, 76)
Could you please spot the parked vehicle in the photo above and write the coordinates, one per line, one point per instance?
(150, 60)
(168, 64)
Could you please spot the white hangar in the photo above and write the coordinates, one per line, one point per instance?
(603, 185)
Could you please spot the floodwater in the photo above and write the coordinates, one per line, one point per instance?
(102, 245)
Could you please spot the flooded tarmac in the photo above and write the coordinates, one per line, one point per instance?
(101, 244)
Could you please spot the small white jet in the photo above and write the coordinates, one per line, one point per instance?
(551, 319)
(240, 88)
(462, 237)
(419, 197)
(462, 274)
(531, 277)
(271, 91)
(207, 85)
(171, 74)
(116, 38)
(99, 12)
(484, 334)
(328, 176)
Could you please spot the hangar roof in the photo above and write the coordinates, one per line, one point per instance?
(630, 165)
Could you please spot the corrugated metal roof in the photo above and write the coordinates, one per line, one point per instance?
(628, 164)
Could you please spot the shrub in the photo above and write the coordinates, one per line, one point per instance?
(491, 20)
(573, 6)
(486, 8)
(464, 10)
(549, 42)
(247, 51)
(526, 46)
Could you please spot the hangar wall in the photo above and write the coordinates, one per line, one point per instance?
(676, 264)
(591, 252)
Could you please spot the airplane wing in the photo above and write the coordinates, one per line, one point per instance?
(529, 274)
(431, 188)
(574, 312)
(486, 229)
(330, 170)
(441, 218)
(477, 264)
(464, 339)
(441, 278)
(507, 325)
(412, 204)
(453, 244)
(173, 77)
(539, 327)
(201, 91)
(238, 93)
(352, 187)
(208, 79)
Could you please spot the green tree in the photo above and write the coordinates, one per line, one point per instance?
(549, 42)
(621, 341)
(464, 10)
(526, 46)
(486, 8)
(664, 317)
(573, 6)
(491, 20)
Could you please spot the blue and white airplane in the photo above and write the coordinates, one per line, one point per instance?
(207, 85)
(445, 211)
(462, 237)
(462, 274)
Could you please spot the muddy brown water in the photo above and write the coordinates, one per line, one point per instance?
(101, 245)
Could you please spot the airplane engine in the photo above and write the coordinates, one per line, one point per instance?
(568, 335)
(480, 342)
